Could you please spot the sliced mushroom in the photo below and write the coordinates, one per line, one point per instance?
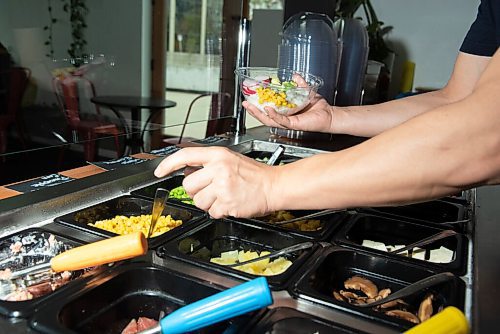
(425, 309)
(363, 284)
(384, 293)
(351, 295)
(339, 297)
(405, 315)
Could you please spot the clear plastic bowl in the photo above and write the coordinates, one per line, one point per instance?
(273, 87)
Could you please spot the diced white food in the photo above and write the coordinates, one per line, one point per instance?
(441, 255)
(374, 245)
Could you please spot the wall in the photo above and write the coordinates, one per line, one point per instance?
(427, 32)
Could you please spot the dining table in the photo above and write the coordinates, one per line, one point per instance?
(134, 104)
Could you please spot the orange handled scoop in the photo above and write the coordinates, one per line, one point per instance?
(101, 252)
(96, 253)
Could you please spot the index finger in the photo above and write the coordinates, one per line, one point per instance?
(189, 156)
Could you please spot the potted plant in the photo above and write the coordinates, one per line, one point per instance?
(379, 50)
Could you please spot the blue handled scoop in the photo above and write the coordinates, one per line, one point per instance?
(243, 298)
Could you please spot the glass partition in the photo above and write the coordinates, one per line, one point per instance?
(75, 77)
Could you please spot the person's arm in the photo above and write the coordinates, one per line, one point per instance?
(437, 153)
(453, 147)
(370, 120)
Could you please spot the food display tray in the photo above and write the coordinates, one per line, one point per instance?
(329, 223)
(444, 214)
(399, 232)
(214, 237)
(34, 239)
(263, 156)
(284, 320)
(336, 264)
(129, 206)
(169, 184)
(108, 303)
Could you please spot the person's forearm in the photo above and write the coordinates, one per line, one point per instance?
(432, 155)
(370, 120)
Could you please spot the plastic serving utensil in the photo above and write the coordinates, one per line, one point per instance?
(243, 298)
(286, 250)
(96, 253)
(161, 196)
(413, 288)
(426, 241)
(312, 215)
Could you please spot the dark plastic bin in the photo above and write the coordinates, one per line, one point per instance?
(109, 302)
(284, 320)
(36, 249)
(337, 264)
(129, 206)
(398, 232)
(169, 184)
(444, 214)
(328, 224)
(214, 237)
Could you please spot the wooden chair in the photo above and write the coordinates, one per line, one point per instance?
(219, 107)
(90, 128)
(15, 81)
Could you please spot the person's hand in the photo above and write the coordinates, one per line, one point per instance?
(229, 184)
(316, 117)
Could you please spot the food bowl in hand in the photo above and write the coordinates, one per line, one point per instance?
(276, 88)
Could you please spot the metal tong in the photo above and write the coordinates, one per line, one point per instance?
(413, 288)
(306, 217)
(276, 155)
(425, 241)
(160, 199)
(286, 250)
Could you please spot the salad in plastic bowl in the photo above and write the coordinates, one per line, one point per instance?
(276, 88)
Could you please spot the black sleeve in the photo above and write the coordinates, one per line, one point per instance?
(481, 39)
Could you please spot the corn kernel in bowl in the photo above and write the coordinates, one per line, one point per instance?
(128, 224)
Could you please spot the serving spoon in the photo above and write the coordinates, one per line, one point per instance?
(160, 199)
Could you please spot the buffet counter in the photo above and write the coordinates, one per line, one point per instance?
(304, 291)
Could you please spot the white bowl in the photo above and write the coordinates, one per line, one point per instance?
(273, 87)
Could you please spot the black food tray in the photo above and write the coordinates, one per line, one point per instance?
(399, 232)
(336, 264)
(284, 320)
(214, 237)
(110, 301)
(441, 213)
(328, 222)
(129, 206)
(169, 184)
(36, 249)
